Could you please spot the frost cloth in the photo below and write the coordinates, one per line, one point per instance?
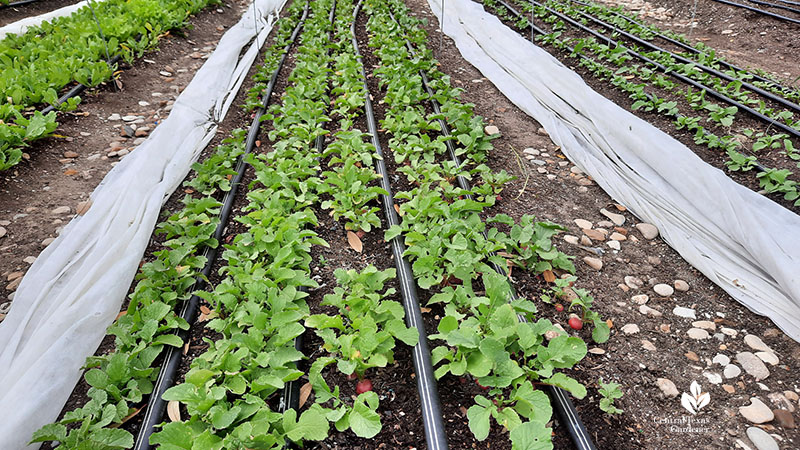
(73, 291)
(742, 241)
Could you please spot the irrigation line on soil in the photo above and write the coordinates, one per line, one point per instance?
(667, 71)
(688, 47)
(778, 99)
(760, 11)
(291, 391)
(75, 90)
(775, 5)
(563, 405)
(513, 11)
(166, 377)
(435, 435)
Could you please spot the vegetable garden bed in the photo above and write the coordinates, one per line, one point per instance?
(307, 255)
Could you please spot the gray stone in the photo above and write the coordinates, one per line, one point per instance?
(697, 333)
(761, 439)
(633, 282)
(614, 245)
(768, 357)
(61, 210)
(129, 118)
(729, 331)
(647, 345)
(667, 387)
(756, 411)
(640, 299)
(649, 231)
(618, 219)
(663, 290)
(538, 162)
(722, 360)
(594, 263)
(732, 371)
(114, 117)
(686, 313)
(705, 324)
(490, 129)
(644, 309)
(630, 328)
(756, 343)
(752, 365)
(3, 232)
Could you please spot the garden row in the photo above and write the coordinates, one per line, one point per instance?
(315, 168)
(82, 48)
(723, 109)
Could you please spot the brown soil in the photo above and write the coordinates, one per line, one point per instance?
(624, 359)
(755, 41)
(10, 14)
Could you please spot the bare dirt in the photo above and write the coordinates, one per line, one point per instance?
(743, 37)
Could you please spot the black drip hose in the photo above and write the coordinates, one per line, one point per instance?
(760, 11)
(775, 5)
(688, 47)
(584, 57)
(291, 391)
(435, 435)
(563, 405)
(166, 377)
(662, 68)
(778, 99)
(76, 90)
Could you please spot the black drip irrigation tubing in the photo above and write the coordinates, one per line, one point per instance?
(760, 11)
(586, 58)
(563, 404)
(667, 71)
(775, 5)
(76, 90)
(19, 3)
(778, 99)
(435, 435)
(291, 391)
(688, 47)
(166, 377)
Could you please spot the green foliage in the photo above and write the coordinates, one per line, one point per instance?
(609, 392)
(37, 64)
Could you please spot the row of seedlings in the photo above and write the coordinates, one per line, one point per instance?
(261, 305)
(36, 65)
(698, 51)
(357, 325)
(614, 63)
(120, 382)
(480, 334)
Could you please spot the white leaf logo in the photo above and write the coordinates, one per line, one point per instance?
(697, 400)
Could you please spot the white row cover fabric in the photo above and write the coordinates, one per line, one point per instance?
(742, 241)
(74, 290)
(21, 26)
